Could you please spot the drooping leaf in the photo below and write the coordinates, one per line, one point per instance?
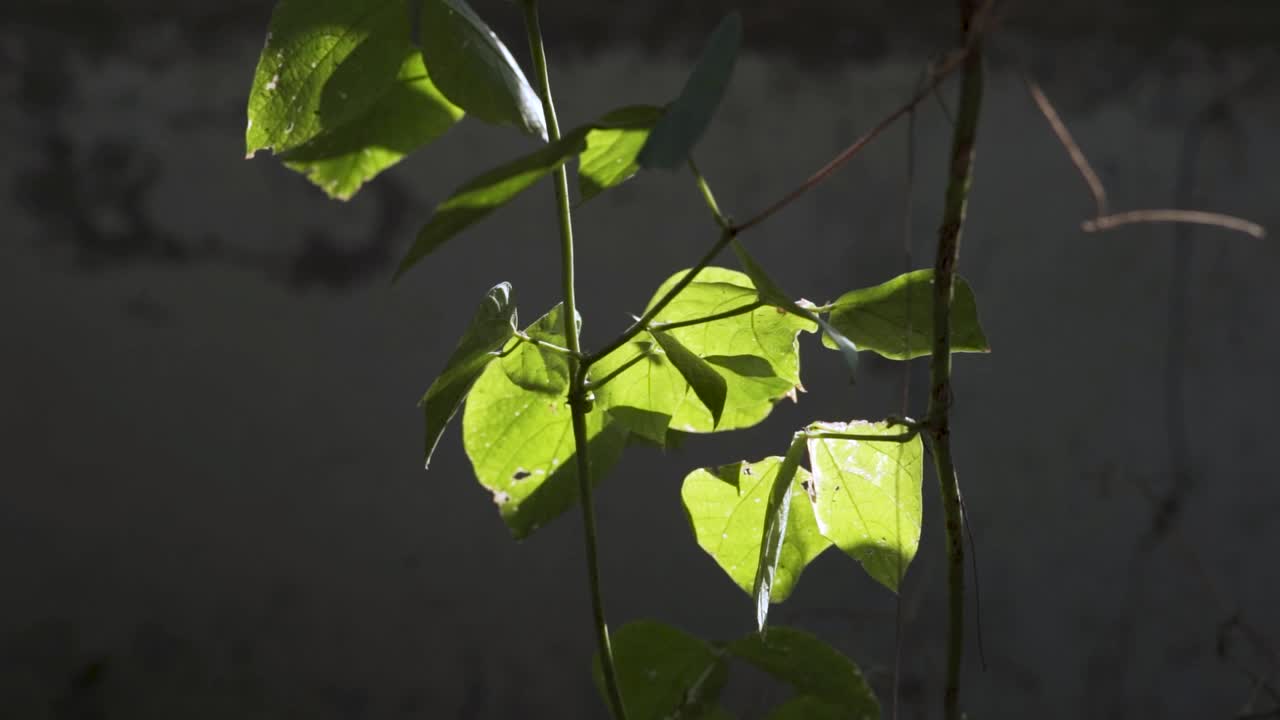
(812, 667)
(755, 352)
(728, 506)
(867, 496)
(491, 327)
(707, 384)
(774, 295)
(612, 147)
(535, 368)
(409, 114)
(687, 118)
(895, 319)
(324, 64)
(521, 445)
(665, 673)
(486, 193)
(475, 70)
(774, 533)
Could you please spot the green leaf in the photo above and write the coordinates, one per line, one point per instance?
(774, 295)
(687, 118)
(755, 352)
(727, 507)
(409, 114)
(774, 532)
(486, 193)
(491, 327)
(895, 319)
(612, 147)
(867, 496)
(812, 667)
(808, 707)
(707, 384)
(324, 64)
(665, 673)
(520, 442)
(535, 368)
(475, 70)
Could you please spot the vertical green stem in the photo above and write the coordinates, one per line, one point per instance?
(578, 403)
(939, 420)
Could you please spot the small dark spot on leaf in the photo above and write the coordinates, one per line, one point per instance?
(521, 474)
(746, 470)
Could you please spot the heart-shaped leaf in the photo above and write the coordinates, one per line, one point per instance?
(895, 319)
(867, 495)
(665, 673)
(813, 668)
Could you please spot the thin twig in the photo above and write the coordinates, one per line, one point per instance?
(950, 65)
(1195, 217)
(1073, 149)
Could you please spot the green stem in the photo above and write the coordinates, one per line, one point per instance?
(824, 435)
(547, 346)
(597, 384)
(577, 390)
(708, 196)
(643, 323)
(940, 397)
(749, 307)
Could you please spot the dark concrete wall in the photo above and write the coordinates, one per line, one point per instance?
(212, 503)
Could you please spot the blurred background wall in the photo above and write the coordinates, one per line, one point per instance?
(211, 495)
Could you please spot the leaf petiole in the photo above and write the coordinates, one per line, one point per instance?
(743, 310)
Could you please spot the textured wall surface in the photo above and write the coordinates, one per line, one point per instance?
(211, 501)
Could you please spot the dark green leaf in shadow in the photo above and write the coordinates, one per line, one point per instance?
(665, 673)
(895, 319)
(707, 384)
(409, 114)
(867, 496)
(729, 508)
(475, 70)
(486, 193)
(491, 327)
(612, 147)
(812, 667)
(687, 118)
(324, 64)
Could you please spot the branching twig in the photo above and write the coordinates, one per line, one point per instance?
(1104, 220)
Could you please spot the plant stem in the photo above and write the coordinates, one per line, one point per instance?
(743, 310)
(940, 397)
(708, 196)
(577, 388)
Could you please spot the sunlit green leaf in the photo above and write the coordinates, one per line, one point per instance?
(774, 295)
(475, 70)
(707, 384)
(536, 368)
(727, 507)
(895, 319)
(774, 534)
(687, 118)
(867, 496)
(486, 193)
(324, 64)
(665, 673)
(409, 114)
(813, 668)
(612, 147)
(521, 446)
(755, 352)
(491, 327)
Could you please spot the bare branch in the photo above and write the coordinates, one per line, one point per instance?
(1196, 217)
(1069, 143)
